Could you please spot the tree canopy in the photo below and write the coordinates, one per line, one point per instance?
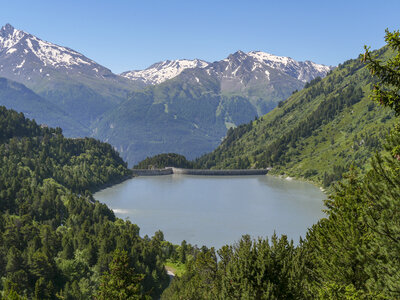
(56, 240)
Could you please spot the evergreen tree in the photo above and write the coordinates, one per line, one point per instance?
(121, 282)
(387, 91)
(382, 190)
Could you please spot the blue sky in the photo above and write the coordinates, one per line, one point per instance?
(126, 35)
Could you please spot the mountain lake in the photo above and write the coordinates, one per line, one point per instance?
(216, 210)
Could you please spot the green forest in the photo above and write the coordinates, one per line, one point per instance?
(58, 242)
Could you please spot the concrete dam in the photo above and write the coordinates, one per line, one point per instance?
(201, 172)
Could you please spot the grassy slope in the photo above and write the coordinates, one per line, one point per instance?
(351, 135)
(177, 268)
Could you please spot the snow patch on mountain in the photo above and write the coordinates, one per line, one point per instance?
(304, 71)
(54, 55)
(270, 59)
(11, 50)
(162, 71)
(20, 65)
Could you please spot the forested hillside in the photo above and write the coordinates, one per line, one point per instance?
(350, 254)
(317, 133)
(16, 96)
(56, 241)
(161, 161)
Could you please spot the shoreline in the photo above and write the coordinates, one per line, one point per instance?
(111, 184)
(316, 184)
(207, 172)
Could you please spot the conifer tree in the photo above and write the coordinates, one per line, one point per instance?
(121, 282)
(382, 193)
(387, 91)
(382, 187)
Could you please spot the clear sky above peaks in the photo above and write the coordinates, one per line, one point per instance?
(127, 35)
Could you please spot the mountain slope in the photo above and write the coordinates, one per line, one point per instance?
(263, 78)
(16, 96)
(73, 82)
(315, 133)
(175, 116)
(190, 113)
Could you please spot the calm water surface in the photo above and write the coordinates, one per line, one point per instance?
(215, 210)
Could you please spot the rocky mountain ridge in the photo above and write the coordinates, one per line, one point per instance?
(235, 65)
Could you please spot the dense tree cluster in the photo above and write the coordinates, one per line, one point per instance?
(247, 270)
(56, 241)
(161, 161)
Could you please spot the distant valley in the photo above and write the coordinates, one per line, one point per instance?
(182, 106)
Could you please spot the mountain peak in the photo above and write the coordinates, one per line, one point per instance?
(9, 36)
(240, 52)
(24, 55)
(164, 70)
(238, 55)
(9, 31)
(7, 27)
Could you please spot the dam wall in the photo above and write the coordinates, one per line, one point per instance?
(155, 172)
(206, 172)
(201, 172)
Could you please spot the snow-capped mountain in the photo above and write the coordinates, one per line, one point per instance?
(256, 65)
(304, 71)
(24, 55)
(240, 66)
(162, 71)
(263, 78)
(68, 79)
(257, 73)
